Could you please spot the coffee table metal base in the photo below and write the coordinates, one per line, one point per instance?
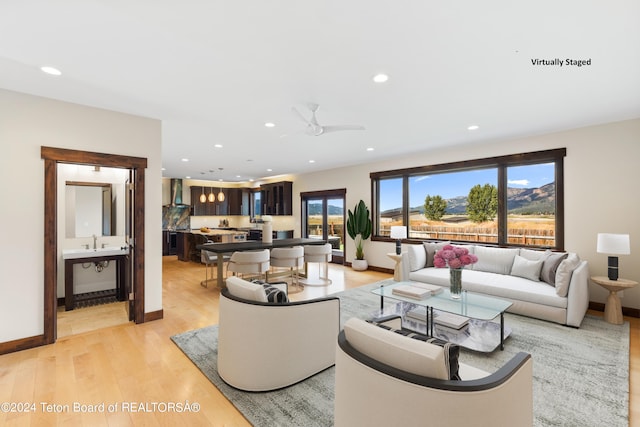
(478, 335)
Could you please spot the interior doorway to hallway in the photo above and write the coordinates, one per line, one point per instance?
(323, 216)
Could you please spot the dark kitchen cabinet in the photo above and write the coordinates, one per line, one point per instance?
(277, 198)
(238, 201)
(208, 208)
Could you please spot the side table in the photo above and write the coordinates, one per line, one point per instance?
(613, 308)
(397, 270)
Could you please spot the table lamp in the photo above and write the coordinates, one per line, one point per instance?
(398, 232)
(613, 244)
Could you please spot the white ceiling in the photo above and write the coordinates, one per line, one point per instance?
(215, 71)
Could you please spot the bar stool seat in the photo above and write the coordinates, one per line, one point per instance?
(249, 262)
(320, 254)
(292, 258)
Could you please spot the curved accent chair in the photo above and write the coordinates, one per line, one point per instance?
(266, 346)
(249, 262)
(320, 254)
(291, 258)
(384, 378)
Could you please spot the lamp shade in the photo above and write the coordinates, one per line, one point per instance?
(616, 244)
(398, 232)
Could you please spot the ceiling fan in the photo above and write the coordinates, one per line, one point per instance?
(316, 129)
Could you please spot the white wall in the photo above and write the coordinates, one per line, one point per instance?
(601, 174)
(27, 123)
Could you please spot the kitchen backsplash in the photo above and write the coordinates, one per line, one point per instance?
(175, 217)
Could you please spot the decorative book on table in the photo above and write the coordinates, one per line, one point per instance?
(416, 290)
(450, 320)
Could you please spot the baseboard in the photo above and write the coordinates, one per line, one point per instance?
(153, 315)
(626, 311)
(21, 344)
(373, 268)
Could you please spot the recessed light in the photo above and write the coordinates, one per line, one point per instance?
(187, 177)
(238, 176)
(185, 160)
(473, 127)
(164, 169)
(370, 149)
(269, 170)
(269, 125)
(51, 70)
(380, 78)
(312, 161)
(217, 146)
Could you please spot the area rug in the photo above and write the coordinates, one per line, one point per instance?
(580, 376)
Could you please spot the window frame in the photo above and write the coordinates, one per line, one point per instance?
(502, 163)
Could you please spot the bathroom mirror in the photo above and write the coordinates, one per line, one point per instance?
(91, 209)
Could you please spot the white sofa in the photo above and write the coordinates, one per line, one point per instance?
(387, 379)
(542, 284)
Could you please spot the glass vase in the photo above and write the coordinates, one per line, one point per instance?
(455, 282)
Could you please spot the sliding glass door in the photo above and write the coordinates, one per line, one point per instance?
(323, 217)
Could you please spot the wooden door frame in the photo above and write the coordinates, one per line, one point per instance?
(53, 156)
(325, 194)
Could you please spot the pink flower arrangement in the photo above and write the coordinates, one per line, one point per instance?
(453, 257)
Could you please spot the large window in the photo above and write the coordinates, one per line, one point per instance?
(510, 200)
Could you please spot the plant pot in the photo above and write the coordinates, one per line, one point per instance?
(359, 264)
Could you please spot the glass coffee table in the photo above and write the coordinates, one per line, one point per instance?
(480, 333)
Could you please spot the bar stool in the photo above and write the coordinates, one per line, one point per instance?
(320, 254)
(210, 261)
(256, 262)
(292, 258)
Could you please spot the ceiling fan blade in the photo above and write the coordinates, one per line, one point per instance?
(338, 128)
(299, 115)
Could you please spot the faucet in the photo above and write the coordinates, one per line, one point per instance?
(95, 239)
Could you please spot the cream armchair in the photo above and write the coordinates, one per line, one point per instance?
(265, 346)
(372, 393)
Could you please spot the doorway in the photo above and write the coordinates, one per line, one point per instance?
(323, 216)
(135, 239)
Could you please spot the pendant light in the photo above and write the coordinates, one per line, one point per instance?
(221, 196)
(212, 197)
(203, 198)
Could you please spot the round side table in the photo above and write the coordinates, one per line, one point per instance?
(613, 308)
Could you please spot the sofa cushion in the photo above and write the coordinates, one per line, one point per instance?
(550, 266)
(417, 257)
(431, 248)
(497, 285)
(246, 290)
(494, 260)
(452, 350)
(409, 355)
(526, 268)
(564, 272)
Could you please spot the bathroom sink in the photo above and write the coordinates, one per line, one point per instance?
(99, 252)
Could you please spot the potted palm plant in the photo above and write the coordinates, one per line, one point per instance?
(359, 229)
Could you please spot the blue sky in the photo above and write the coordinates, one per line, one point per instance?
(451, 185)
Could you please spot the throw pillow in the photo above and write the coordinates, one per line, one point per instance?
(494, 260)
(528, 269)
(417, 257)
(246, 290)
(400, 352)
(550, 266)
(564, 272)
(451, 351)
(534, 255)
(274, 294)
(431, 248)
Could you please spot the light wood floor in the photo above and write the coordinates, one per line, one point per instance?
(99, 362)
